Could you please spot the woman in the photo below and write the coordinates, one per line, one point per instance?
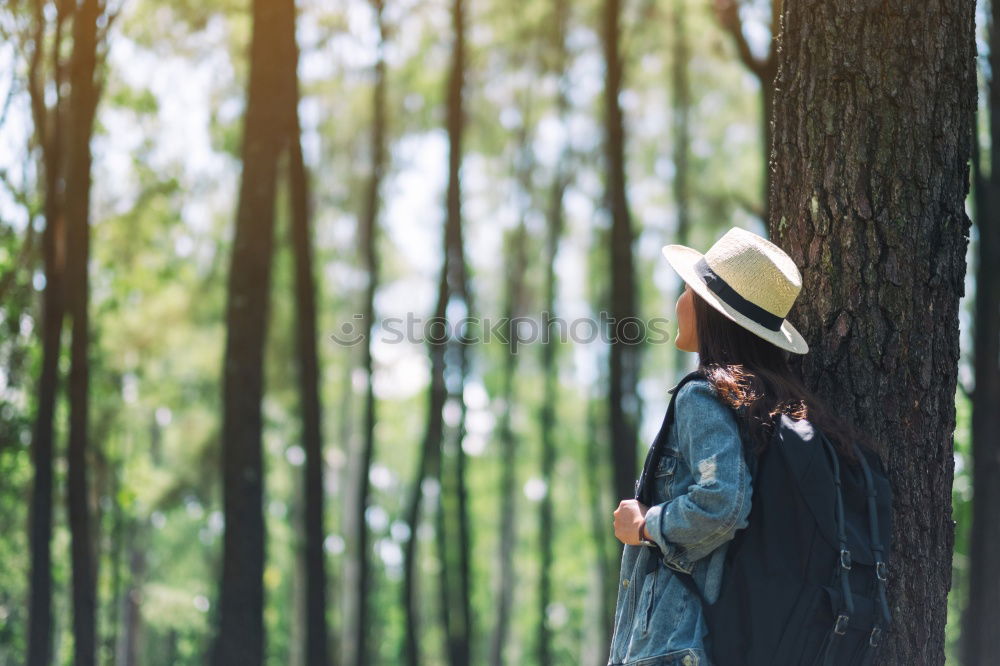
(732, 313)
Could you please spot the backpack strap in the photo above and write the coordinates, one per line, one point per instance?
(843, 565)
(881, 571)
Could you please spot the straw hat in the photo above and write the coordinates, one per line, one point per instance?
(747, 278)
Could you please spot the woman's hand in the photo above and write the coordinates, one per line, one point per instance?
(628, 517)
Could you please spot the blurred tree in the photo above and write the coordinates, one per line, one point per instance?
(681, 88)
(49, 127)
(980, 641)
(623, 350)
(368, 235)
(90, 23)
(267, 128)
(446, 384)
(515, 258)
(555, 222)
(871, 144)
(454, 540)
(316, 635)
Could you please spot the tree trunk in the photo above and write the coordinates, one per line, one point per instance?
(368, 235)
(82, 107)
(116, 547)
(316, 636)
(681, 88)
(980, 641)
(515, 259)
(454, 611)
(454, 539)
(131, 634)
(595, 482)
(267, 126)
(547, 411)
(429, 456)
(624, 355)
(873, 113)
(48, 130)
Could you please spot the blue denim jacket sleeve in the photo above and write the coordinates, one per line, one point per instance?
(691, 525)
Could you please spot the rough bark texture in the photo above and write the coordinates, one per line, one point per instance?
(240, 639)
(980, 641)
(874, 103)
(623, 357)
(82, 107)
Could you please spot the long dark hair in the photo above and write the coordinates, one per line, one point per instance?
(748, 371)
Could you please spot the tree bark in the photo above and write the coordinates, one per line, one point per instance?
(873, 113)
(980, 641)
(240, 638)
(84, 93)
(623, 356)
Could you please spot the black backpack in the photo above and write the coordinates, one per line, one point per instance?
(805, 582)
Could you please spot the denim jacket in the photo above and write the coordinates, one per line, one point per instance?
(702, 491)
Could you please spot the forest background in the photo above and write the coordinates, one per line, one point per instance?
(210, 212)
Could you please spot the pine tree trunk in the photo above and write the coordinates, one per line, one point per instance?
(316, 636)
(623, 357)
(267, 126)
(605, 575)
(980, 641)
(429, 460)
(368, 234)
(681, 89)
(555, 221)
(131, 634)
(454, 605)
(874, 106)
(82, 108)
(49, 130)
(515, 259)
(454, 539)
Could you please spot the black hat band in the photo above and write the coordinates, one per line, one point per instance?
(729, 296)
